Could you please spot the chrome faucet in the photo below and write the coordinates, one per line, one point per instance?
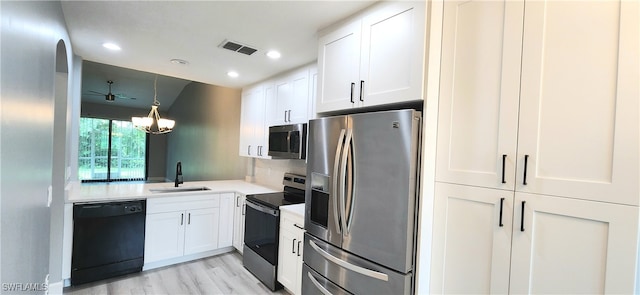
(179, 179)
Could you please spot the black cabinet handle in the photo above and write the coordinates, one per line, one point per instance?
(189, 221)
(501, 205)
(182, 219)
(299, 248)
(361, 89)
(249, 150)
(522, 217)
(244, 210)
(524, 178)
(293, 246)
(353, 86)
(504, 159)
(237, 201)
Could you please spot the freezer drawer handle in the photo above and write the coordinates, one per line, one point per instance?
(320, 288)
(349, 266)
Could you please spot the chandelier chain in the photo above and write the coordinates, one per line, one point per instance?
(155, 92)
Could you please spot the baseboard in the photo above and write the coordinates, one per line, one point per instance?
(157, 264)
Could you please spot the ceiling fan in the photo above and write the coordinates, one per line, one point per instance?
(110, 96)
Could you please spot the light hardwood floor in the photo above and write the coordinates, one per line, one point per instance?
(222, 274)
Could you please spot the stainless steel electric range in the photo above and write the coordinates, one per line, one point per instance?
(262, 228)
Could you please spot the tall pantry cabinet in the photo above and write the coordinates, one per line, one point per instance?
(537, 175)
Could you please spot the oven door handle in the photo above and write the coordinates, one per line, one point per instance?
(263, 209)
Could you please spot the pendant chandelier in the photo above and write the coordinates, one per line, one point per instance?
(146, 124)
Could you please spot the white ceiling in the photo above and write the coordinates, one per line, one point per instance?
(151, 33)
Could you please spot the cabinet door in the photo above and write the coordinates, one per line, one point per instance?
(471, 240)
(568, 246)
(338, 68)
(579, 108)
(227, 208)
(283, 93)
(260, 128)
(392, 53)
(238, 225)
(164, 236)
(299, 99)
(299, 253)
(201, 233)
(246, 123)
(479, 93)
(287, 258)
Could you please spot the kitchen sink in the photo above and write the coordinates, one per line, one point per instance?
(179, 189)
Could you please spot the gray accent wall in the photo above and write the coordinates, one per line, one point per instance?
(29, 37)
(206, 136)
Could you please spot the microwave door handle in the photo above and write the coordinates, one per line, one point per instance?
(334, 186)
(289, 149)
(343, 184)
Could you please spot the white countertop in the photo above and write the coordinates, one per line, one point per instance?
(78, 192)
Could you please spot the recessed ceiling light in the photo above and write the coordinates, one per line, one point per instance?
(232, 74)
(273, 54)
(110, 46)
(179, 61)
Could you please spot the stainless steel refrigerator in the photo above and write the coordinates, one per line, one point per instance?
(361, 203)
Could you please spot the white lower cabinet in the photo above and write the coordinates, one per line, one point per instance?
(187, 225)
(290, 251)
(201, 230)
(238, 222)
(227, 219)
(498, 241)
(164, 236)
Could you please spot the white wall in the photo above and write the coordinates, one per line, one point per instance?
(270, 172)
(29, 35)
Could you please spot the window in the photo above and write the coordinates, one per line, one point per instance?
(111, 150)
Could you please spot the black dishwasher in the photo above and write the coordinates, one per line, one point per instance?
(108, 240)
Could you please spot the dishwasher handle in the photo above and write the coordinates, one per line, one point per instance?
(109, 209)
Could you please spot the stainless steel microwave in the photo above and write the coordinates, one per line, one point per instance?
(288, 141)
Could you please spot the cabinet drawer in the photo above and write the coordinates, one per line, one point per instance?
(288, 220)
(172, 204)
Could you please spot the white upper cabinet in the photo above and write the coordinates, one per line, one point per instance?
(338, 68)
(253, 128)
(289, 104)
(281, 100)
(377, 58)
(542, 99)
(579, 103)
(479, 92)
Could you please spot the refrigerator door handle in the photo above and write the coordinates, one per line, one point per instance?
(318, 286)
(361, 270)
(343, 185)
(352, 172)
(334, 190)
